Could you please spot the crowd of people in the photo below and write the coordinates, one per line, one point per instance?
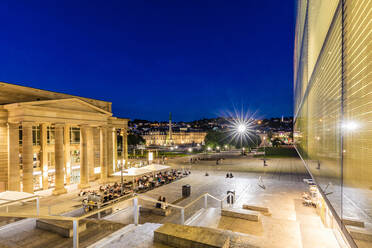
(148, 182)
(106, 193)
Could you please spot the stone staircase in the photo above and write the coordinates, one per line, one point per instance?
(140, 236)
(362, 233)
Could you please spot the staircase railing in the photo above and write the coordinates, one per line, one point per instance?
(98, 211)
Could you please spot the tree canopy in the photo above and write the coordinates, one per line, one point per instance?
(135, 139)
(217, 138)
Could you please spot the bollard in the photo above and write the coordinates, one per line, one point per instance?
(75, 233)
(37, 206)
(135, 210)
(99, 213)
(205, 201)
(182, 216)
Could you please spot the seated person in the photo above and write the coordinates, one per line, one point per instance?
(158, 204)
(164, 205)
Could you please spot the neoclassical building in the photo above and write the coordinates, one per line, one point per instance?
(162, 138)
(49, 139)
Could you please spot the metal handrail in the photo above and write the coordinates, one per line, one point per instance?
(75, 220)
(33, 216)
(146, 198)
(10, 202)
(197, 199)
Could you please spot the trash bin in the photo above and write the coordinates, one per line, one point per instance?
(230, 197)
(186, 190)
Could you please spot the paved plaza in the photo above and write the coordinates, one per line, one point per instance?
(290, 224)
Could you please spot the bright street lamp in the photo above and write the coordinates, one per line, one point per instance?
(241, 128)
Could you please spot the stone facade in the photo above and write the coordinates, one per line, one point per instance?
(49, 139)
(160, 138)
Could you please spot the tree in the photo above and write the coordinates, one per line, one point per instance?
(135, 139)
(253, 140)
(269, 135)
(215, 138)
(276, 142)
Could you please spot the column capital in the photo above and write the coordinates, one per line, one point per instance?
(59, 124)
(27, 123)
(13, 124)
(85, 126)
(123, 131)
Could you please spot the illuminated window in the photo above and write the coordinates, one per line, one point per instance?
(50, 135)
(75, 135)
(36, 135)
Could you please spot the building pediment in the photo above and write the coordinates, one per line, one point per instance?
(71, 105)
(72, 110)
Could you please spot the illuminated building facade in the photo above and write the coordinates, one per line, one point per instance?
(333, 107)
(49, 139)
(161, 138)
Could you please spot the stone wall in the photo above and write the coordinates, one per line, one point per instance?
(3, 157)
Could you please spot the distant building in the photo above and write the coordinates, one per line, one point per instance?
(179, 137)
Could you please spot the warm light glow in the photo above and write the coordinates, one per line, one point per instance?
(151, 156)
(97, 170)
(209, 148)
(190, 149)
(350, 125)
(241, 128)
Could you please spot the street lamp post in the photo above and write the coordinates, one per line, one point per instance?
(121, 176)
(264, 150)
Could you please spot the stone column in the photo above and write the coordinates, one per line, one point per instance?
(13, 164)
(27, 158)
(59, 160)
(85, 162)
(44, 154)
(67, 159)
(103, 154)
(125, 146)
(115, 149)
(110, 150)
(96, 153)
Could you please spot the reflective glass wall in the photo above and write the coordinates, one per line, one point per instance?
(333, 101)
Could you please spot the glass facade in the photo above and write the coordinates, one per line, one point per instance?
(333, 103)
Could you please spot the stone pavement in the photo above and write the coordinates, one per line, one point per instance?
(291, 223)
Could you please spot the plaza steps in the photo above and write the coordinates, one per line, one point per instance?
(61, 227)
(241, 214)
(183, 236)
(361, 233)
(24, 233)
(140, 236)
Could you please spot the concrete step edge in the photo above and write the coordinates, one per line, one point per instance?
(105, 241)
(195, 216)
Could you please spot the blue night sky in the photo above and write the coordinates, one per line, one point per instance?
(194, 58)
